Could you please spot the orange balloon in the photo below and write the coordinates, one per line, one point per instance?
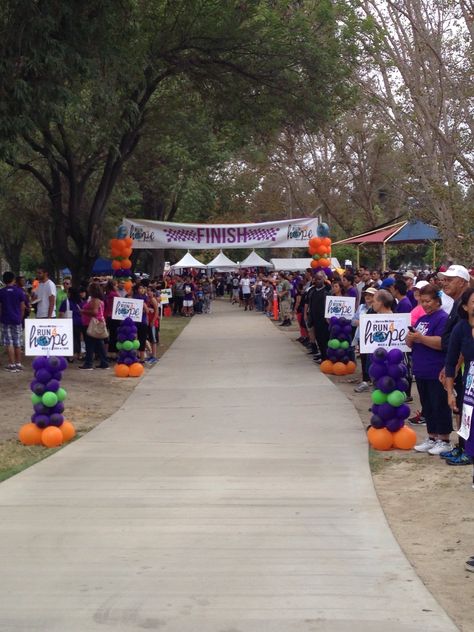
(312, 251)
(380, 439)
(326, 241)
(128, 241)
(136, 369)
(350, 367)
(314, 242)
(327, 367)
(126, 252)
(30, 434)
(51, 437)
(68, 430)
(121, 370)
(404, 439)
(324, 263)
(116, 265)
(113, 243)
(315, 264)
(339, 368)
(321, 250)
(127, 285)
(126, 264)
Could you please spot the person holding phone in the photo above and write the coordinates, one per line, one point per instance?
(428, 360)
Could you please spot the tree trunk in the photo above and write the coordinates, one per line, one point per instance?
(157, 263)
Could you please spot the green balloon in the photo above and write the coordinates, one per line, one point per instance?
(49, 399)
(127, 345)
(344, 345)
(316, 257)
(136, 344)
(36, 399)
(378, 397)
(396, 398)
(119, 346)
(61, 394)
(334, 343)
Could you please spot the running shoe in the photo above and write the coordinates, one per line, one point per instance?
(451, 454)
(362, 387)
(440, 446)
(417, 419)
(84, 367)
(425, 446)
(11, 368)
(469, 566)
(462, 459)
(19, 367)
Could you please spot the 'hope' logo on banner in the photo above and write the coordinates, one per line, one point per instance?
(127, 308)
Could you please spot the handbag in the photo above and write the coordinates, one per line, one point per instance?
(97, 329)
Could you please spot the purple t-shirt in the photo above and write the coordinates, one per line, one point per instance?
(427, 362)
(404, 306)
(11, 298)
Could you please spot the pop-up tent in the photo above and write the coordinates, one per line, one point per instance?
(188, 261)
(221, 262)
(298, 265)
(255, 261)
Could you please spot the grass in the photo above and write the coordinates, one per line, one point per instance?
(15, 457)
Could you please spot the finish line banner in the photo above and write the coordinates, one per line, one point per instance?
(283, 234)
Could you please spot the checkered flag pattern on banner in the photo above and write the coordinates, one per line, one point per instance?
(262, 234)
(180, 234)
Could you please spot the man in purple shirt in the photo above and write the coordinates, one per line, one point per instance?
(399, 292)
(12, 309)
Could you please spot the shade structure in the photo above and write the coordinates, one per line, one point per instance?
(222, 262)
(255, 261)
(298, 265)
(188, 261)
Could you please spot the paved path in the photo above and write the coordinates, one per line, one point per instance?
(231, 493)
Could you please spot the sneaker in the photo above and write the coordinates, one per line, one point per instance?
(469, 566)
(19, 367)
(409, 399)
(362, 387)
(451, 454)
(462, 459)
(84, 367)
(425, 446)
(440, 446)
(102, 366)
(417, 419)
(152, 360)
(11, 368)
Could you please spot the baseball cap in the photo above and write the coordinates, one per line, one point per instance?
(370, 290)
(408, 275)
(456, 271)
(387, 283)
(421, 284)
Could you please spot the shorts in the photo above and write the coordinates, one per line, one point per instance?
(12, 335)
(235, 292)
(188, 303)
(153, 334)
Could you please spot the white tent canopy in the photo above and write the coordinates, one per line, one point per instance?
(188, 261)
(298, 265)
(254, 261)
(222, 262)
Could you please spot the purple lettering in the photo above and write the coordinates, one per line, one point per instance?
(241, 234)
(200, 234)
(231, 235)
(215, 235)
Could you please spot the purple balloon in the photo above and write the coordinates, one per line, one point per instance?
(335, 331)
(377, 422)
(57, 376)
(377, 371)
(395, 424)
(42, 421)
(62, 364)
(403, 411)
(128, 361)
(403, 369)
(43, 375)
(375, 408)
(40, 363)
(379, 355)
(348, 330)
(340, 353)
(403, 385)
(52, 385)
(121, 337)
(394, 356)
(128, 321)
(394, 371)
(41, 409)
(57, 409)
(386, 384)
(334, 320)
(56, 419)
(343, 321)
(386, 411)
(54, 363)
(328, 272)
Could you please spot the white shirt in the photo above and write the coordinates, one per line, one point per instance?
(446, 302)
(43, 292)
(245, 285)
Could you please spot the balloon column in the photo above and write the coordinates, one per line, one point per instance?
(127, 346)
(339, 361)
(320, 249)
(48, 426)
(121, 250)
(389, 410)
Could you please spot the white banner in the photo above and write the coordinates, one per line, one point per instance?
(383, 330)
(48, 337)
(293, 233)
(123, 308)
(340, 306)
(166, 295)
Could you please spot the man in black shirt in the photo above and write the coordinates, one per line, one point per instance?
(316, 299)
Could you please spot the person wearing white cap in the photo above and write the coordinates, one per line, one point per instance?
(455, 280)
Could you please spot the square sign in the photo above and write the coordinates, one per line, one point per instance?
(48, 337)
(383, 330)
(340, 306)
(165, 295)
(127, 308)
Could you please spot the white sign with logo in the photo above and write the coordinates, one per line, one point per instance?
(166, 295)
(48, 337)
(383, 330)
(123, 308)
(340, 306)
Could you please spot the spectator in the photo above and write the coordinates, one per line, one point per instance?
(399, 291)
(365, 307)
(71, 308)
(409, 278)
(45, 295)
(94, 307)
(12, 310)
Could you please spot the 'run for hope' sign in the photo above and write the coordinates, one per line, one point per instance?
(383, 330)
(340, 306)
(127, 308)
(48, 337)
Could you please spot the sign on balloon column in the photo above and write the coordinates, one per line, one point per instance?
(48, 425)
(127, 346)
(389, 410)
(320, 249)
(339, 348)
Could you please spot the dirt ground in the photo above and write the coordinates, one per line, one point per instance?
(428, 504)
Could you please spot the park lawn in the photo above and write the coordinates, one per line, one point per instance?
(92, 397)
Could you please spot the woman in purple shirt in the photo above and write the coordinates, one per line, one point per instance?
(428, 360)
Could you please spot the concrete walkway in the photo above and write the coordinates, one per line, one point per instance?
(231, 493)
